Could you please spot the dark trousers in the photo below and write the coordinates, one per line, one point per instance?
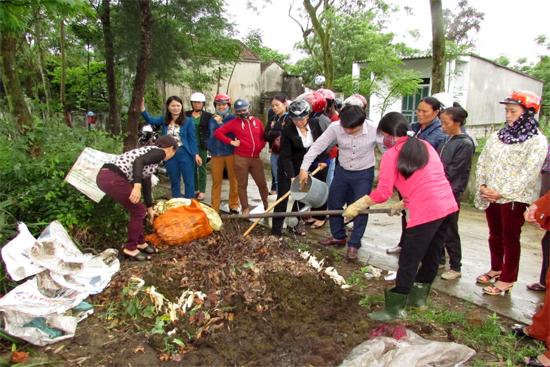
(181, 165)
(119, 189)
(421, 245)
(545, 243)
(505, 221)
(452, 243)
(346, 187)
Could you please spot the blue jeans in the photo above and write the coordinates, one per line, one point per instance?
(274, 159)
(348, 186)
(330, 173)
(181, 165)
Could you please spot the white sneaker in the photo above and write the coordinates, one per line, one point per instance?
(451, 275)
(393, 250)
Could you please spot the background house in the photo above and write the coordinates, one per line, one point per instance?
(478, 84)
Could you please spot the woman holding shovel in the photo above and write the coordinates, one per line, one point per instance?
(296, 138)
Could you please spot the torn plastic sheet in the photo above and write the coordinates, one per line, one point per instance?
(411, 351)
(64, 278)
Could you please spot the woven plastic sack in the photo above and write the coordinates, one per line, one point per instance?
(180, 225)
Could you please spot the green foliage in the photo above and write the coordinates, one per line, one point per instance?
(32, 186)
(253, 41)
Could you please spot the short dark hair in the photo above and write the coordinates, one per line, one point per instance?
(281, 97)
(457, 113)
(166, 141)
(352, 116)
(394, 124)
(433, 102)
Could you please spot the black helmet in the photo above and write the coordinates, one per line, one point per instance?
(240, 104)
(299, 109)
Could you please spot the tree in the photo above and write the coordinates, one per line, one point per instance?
(113, 122)
(13, 17)
(438, 47)
(460, 25)
(253, 41)
(142, 68)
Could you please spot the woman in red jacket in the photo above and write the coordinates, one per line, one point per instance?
(249, 142)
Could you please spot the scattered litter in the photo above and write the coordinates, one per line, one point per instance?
(330, 271)
(410, 350)
(391, 275)
(372, 272)
(47, 308)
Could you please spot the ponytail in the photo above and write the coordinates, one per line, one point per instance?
(413, 156)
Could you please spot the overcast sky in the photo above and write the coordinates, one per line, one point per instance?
(509, 27)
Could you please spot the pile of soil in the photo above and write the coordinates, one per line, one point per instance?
(263, 305)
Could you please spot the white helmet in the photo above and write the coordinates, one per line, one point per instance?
(198, 97)
(445, 99)
(319, 80)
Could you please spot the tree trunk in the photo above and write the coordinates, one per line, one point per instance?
(438, 47)
(113, 121)
(43, 78)
(16, 99)
(144, 57)
(62, 99)
(324, 40)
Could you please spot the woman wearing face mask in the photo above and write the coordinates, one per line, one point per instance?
(273, 131)
(175, 124)
(506, 175)
(456, 154)
(427, 127)
(222, 155)
(296, 139)
(413, 167)
(246, 134)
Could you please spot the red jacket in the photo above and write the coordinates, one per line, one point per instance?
(249, 132)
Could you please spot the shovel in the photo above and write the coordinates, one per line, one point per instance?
(270, 208)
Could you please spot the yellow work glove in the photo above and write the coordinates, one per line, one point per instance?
(397, 208)
(353, 209)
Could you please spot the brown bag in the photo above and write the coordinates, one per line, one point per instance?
(276, 145)
(542, 214)
(180, 225)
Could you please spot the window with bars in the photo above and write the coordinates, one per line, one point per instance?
(409, 103)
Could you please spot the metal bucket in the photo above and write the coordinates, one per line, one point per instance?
(314, 194)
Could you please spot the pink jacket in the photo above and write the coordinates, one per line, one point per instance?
(427, 193)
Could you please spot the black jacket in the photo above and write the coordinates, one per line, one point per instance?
(293, 151)
(456, 154)
(203, 128)
(272, 132)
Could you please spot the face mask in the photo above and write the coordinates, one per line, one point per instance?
(388, 141)
(222, 112)
(243, 115)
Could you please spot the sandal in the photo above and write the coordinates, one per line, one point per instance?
(487, 278)
(147, 248)
(200, 196)
(493, 290)
(519, 332)
(537, 287)
(318, 224)
(140, 256)
(533, 362)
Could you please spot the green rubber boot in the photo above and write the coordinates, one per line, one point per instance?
(419, 294)
(393, 309)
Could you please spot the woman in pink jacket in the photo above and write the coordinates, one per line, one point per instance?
(413, 167)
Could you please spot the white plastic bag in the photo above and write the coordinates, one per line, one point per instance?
(16, 255)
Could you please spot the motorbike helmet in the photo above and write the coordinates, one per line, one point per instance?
(198, 97)
(222, 98)
(338, 104)
(317, 102)
(527, 99)
(355, 100)
(241, 108)
(326, 93)
(299, 109)
(319, 80)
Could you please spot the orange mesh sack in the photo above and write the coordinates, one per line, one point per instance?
(180, 225)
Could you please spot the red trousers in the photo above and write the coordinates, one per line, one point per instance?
(540, 328)
(505, 222)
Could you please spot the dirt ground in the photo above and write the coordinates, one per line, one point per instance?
(262, 306)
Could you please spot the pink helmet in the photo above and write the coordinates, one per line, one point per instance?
(316, 100)
(326, 93)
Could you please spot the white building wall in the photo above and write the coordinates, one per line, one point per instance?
(490, 83)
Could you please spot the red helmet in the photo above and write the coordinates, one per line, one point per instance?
(222, 98)
(316, 100)
(528, 100)
(326, 93)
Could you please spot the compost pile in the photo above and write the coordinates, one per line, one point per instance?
(220, 300)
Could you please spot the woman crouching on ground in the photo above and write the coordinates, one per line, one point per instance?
(124, 180)
(413, 167)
